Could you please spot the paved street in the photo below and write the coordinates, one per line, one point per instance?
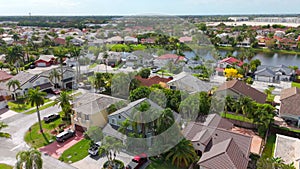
(18, 126)
(97, 162)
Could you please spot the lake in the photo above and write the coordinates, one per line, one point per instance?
(265, 58)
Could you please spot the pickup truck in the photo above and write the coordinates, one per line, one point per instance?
(137, 161)
(94, 149)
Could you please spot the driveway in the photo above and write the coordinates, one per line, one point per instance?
(18, 125)
(97, 162)
(55, 149)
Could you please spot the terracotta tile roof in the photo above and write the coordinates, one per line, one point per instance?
(152, 80)
(223, 155)
(290, 101)
(243, 89)
(171, 56)
(232, 60)
(4, 76)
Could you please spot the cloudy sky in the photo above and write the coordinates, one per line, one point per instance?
(133, 7)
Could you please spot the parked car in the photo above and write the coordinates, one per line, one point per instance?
(94, 149)
(32, 66)
(137, 161)
(51, 117)
(65, 135)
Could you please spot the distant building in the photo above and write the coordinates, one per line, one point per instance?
(278, 19)
(237, 19)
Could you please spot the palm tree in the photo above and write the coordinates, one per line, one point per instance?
(183, 154)
(75, 53)
(105, 56)
(98, 81)
(112, 146)
(63, 101)
(15, 37)
(30, 159)
(14, 54)
(36, 98)
(3, 134)
(61, 54)
(245, 105)
(229, 103)
(54, 74)
(124, 126)
(15, 84)
(165, 120)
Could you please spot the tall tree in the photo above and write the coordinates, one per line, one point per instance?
(37, 98)
(112, 146)
(63, 101)
(15, 37)
(165, 120)
(75, 53)
(31, 159)
(54, 76)
(15, 84)
(3, 134)
(183, 154)
(61, 54)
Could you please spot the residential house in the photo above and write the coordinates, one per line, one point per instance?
(4, 76)
(217, 145)
(153, 80)
(288, 149)
(27, 81)
(90, 110)
(139, 58)
(237, 88)
(130, 40)
(45, 60)
(59, 41)
(77, 41)
(3, 98)
(68, 77)
(189, 83)
(113, 58)
(274, 73)
(227, 62)
(163, 60)
(289, 105)
(115, 40)
(185, 39)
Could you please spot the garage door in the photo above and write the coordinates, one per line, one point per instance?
(41, 64)
(80, 128)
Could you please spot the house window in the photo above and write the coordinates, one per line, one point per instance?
(173, 87)
(78, 114)
(113, 121)
(87, 117)
(45, 80)
(119, 117)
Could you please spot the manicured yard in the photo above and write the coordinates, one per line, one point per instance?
(270, 146)
(35, 138)
(165, 73)
(5, 166)
(20, 105)
(41, 108)
(236, 117)
(76, 152)
(294, 84)
(160, 164)
(92, 65)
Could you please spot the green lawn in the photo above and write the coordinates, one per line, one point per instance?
(236, 117)
(270, 146)
(92, 65)
(159, 164)
(165, 73)
(294, 84)
(41, 108)
(20, 105)
(76, 152)
(5, 166)
(35, 138)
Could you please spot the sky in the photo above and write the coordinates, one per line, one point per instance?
(137, 7)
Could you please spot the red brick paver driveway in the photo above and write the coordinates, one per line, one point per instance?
(55, 149)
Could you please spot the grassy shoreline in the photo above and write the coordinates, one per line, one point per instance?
(262, 50)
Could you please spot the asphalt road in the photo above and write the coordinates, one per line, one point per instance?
(18, 126)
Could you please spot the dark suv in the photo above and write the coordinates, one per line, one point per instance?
(65, 135)
(137, 161)
(51, 117)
